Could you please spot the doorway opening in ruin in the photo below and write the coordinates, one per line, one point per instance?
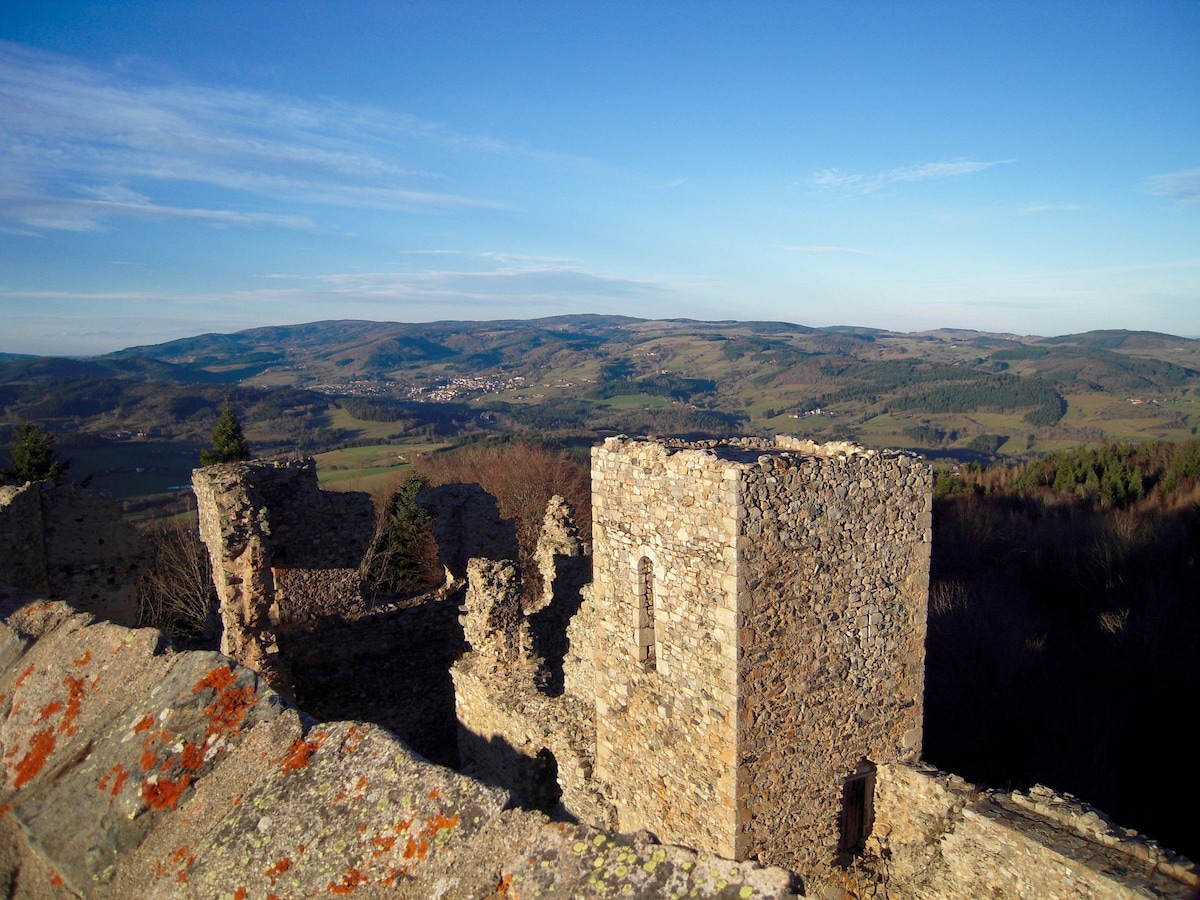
(647, 634)
(858, 811)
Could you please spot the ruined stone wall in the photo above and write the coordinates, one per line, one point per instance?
(666, 734)
(390, 667)
(541, 748)
(283, 553)
(833, 578)
(72, 543)
(466, 526)
(130, 770)
(579, 662)
(22, 553)
(942, 838)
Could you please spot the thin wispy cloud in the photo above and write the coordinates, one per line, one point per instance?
(871, 183)
(1034, 208)
(70, 131)
(1181, 186)
(825, 250)
(540, 283)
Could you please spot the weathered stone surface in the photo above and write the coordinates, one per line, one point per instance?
(944, 838)
(134, 771)
(73, 544)
(493, 622)
(283, 553)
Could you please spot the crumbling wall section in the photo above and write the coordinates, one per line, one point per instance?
(71, 542)
(390, 666)
(284, 553)
(579, 662)
(943, 838)
(833, 578)
(467, 525)
(541, 748)
(22, 550)
(564, 569)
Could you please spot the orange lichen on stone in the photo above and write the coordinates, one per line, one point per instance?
(75, 691)
(229, 705)
(434, 794)
(362, 826)
(502, 887)
(278, 869)
(163, 792)
(352, 740)
(382, 845)
(21, 678)
(239, 894)
(349, 883)
(120, 778)
(434, 824)
(56, 880)
(218, 679)
(146, 721)
(300, 754)
(180, 855)
(148, 761)
(361, 784)
(193, 756)
(41, 745)
(85, 659)
(48, 710)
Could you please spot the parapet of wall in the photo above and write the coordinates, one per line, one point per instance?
(72, 543)
(131, 770)
(833, 578)
(939, 837)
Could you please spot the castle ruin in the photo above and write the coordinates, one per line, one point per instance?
(736, 667)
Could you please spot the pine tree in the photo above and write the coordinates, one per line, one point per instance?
(33, 457)
(229, 444)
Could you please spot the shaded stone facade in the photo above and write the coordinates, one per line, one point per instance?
(73, 544)
(283, 553)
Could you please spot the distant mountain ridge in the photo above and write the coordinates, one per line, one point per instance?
(942, 391)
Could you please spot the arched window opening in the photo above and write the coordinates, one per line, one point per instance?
(858, 811)
(647, 637)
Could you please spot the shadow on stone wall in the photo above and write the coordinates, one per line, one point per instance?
(548, 626)
(391, 667)
(532, 781)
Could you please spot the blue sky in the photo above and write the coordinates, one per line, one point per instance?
(173, 168)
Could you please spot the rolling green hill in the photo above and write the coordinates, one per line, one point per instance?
(951, 393)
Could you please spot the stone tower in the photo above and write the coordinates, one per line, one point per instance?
(760, 638)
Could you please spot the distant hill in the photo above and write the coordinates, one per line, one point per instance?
(952, 393)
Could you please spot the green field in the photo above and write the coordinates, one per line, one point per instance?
(370, 469)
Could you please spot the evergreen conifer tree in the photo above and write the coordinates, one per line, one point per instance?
(229, 444)
(33, 457)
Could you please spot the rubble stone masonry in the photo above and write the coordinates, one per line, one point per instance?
(760, 615)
